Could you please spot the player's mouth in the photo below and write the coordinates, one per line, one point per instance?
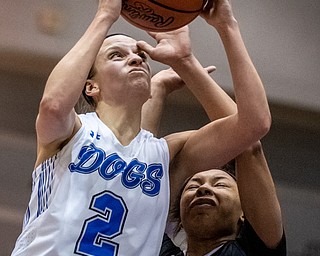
(137, 70)
(203, 202)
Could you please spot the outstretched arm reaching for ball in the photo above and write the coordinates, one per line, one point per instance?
(57, 120)
(223, 139)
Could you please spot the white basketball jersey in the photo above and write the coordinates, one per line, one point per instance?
(98, 197)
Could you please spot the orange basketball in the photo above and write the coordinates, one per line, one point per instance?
(161, 15)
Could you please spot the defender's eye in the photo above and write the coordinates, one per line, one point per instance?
(221, 184)
(192, 187)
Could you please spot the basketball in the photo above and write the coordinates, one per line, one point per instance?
(160, 15)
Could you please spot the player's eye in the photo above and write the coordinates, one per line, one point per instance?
(115, 55)
(221, 184)
(192, 187)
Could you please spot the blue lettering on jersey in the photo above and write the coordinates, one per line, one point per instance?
(134, 174)
(111, 166)
(90, 160)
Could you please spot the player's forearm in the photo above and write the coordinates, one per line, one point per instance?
(152, 110)
(216, 102)
(258, 195)
(67, 79)
(249, 91)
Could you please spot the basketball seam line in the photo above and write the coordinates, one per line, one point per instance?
(173, 9)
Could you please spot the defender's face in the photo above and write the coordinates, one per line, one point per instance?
(210, 200)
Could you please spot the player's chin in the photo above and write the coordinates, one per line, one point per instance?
(142, 86)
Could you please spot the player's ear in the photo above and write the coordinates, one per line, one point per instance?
(240, 223)
(91, 88)
(241, 219)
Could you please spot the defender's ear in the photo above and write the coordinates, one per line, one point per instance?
(241, 219)
(91, 88)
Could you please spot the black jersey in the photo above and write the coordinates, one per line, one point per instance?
(247, 243)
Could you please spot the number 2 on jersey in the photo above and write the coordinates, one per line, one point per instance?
(99, 230)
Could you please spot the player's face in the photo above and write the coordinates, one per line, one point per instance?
(209, 202)
(122, 69)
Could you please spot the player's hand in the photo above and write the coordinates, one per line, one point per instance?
(218, 13)
(169, 80)
(111, 8)
(172, 47)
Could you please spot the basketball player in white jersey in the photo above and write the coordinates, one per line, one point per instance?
(101, 183)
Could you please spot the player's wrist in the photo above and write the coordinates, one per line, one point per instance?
(184, 64)
(158, 89)
(106, 17)
(226, 29)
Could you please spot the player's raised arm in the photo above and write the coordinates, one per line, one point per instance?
(221, 140)
(229, 136)
(57, 120)
(258, 195)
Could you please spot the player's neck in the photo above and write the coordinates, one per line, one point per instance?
(125, 125)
